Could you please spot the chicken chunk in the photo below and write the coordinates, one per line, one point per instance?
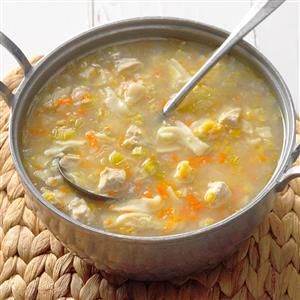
(79, 209)
(133, 136)
(217, 194)
(111, 180)
(230, 117)
(127, 63)
(134, 93)
(115, 104)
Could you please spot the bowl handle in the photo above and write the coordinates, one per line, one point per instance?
(7, 43)
(292, 172)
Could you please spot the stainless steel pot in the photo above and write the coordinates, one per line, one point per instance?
(149, 258)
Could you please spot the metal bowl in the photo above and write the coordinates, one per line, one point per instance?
(149, 258)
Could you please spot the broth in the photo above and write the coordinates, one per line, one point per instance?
(101, 115)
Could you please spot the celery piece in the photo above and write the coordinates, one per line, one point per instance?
(116, 158)
(150, 166)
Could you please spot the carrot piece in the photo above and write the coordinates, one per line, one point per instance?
(193, 202)
(121, 138)
(197, 161)
(63, 101)
(81, 111)
(262, 157)
(171, 218)
(91, 138)
(148, 194)
(162, 190)
(174, 157)
(222, 157)
(171, 223)
(64, 189)
(188, 122)
(108, 222)
(128, 171)
(85, 96)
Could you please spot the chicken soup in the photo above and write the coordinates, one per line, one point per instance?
(100, 116)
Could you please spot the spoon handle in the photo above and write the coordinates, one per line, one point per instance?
(256, 15)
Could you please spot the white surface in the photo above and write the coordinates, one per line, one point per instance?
(39, 26)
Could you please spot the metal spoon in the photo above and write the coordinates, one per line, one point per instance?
(81, 190)
(256, 15)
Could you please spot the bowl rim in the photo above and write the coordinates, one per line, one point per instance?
(269, 186)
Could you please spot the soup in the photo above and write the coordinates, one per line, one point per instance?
(100, 115)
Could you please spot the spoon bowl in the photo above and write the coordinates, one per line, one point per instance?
(85, 192)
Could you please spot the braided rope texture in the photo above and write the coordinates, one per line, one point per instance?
(34, 264)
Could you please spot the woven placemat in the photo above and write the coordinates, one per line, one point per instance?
(34, 265)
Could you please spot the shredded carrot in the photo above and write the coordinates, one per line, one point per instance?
(128, 171)
(172, 219)
(121, 138)
(262, 157)
(85, 96)
(193, 202)
(166, 212)
(188, 122)
(222, 157)
(148, 194)
(174, 157)
(162, 190)
(171, 223)
(63, 101)
(81, 111)
(108, 222)
(38, 131)
(64, 189)
(91, 138)
(197, 161)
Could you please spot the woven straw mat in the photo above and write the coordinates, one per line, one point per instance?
(34, 265)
